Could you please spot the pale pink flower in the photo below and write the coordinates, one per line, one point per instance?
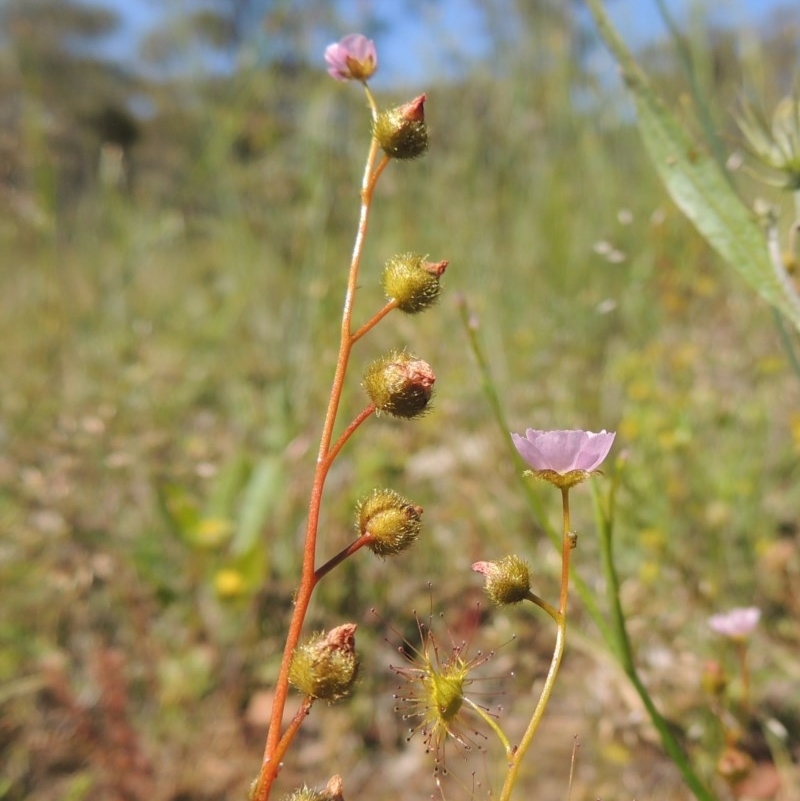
(563, 458)
(352, 58)
(736, 624)
(564, 451)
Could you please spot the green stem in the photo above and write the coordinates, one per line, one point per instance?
(542, 604)
(623, 650)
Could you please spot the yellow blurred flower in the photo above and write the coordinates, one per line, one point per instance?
(229, 583)
(211, 532)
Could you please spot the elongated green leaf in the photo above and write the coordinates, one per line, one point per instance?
(696, 183)
(263, 490)
(228, 485)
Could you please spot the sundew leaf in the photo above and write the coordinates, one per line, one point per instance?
(697, 184)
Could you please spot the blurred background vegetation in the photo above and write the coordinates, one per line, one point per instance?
(175, 233)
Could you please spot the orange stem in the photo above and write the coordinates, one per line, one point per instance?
(276, 745)
(370, 324)
(354, 546)
(348, 432)
(567, 544)
(293, 728)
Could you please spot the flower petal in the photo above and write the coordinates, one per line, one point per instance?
(736, 623)
(563, 451)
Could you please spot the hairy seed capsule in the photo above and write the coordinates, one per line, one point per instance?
(326, 665)
(412, 282)
(401, 132)
(392, 522)
(399, 384)
(508, 581)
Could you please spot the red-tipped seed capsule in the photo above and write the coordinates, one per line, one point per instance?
(508, 581)
(400, 384)
(326, 665)
(401, 132)
(412, 282)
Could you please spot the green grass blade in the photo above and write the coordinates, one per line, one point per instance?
(265, 487)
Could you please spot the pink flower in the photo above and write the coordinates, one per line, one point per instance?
(353, 58)
(563, 451)
(563, 458)
(736, 624)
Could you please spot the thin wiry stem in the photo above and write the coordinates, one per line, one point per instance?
(555, 663)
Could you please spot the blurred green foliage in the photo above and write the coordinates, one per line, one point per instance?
(174, 256)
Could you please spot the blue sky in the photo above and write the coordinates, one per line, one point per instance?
(638, 21)
(450, 31)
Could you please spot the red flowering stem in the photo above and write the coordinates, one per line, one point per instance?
(371, 323)
(275, 744)
(354, 546)
(293, 728)
(567, 544)
(378, 171)
(348, 432)
(555, 663)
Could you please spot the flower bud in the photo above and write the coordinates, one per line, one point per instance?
(334, 789)
(391, 521)
(332, 792)
(507, 581)
(399, 384)
(401, 131)
(412, 281)
(734, 764)
(353, 58)
(326, 665)
(713, 678)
